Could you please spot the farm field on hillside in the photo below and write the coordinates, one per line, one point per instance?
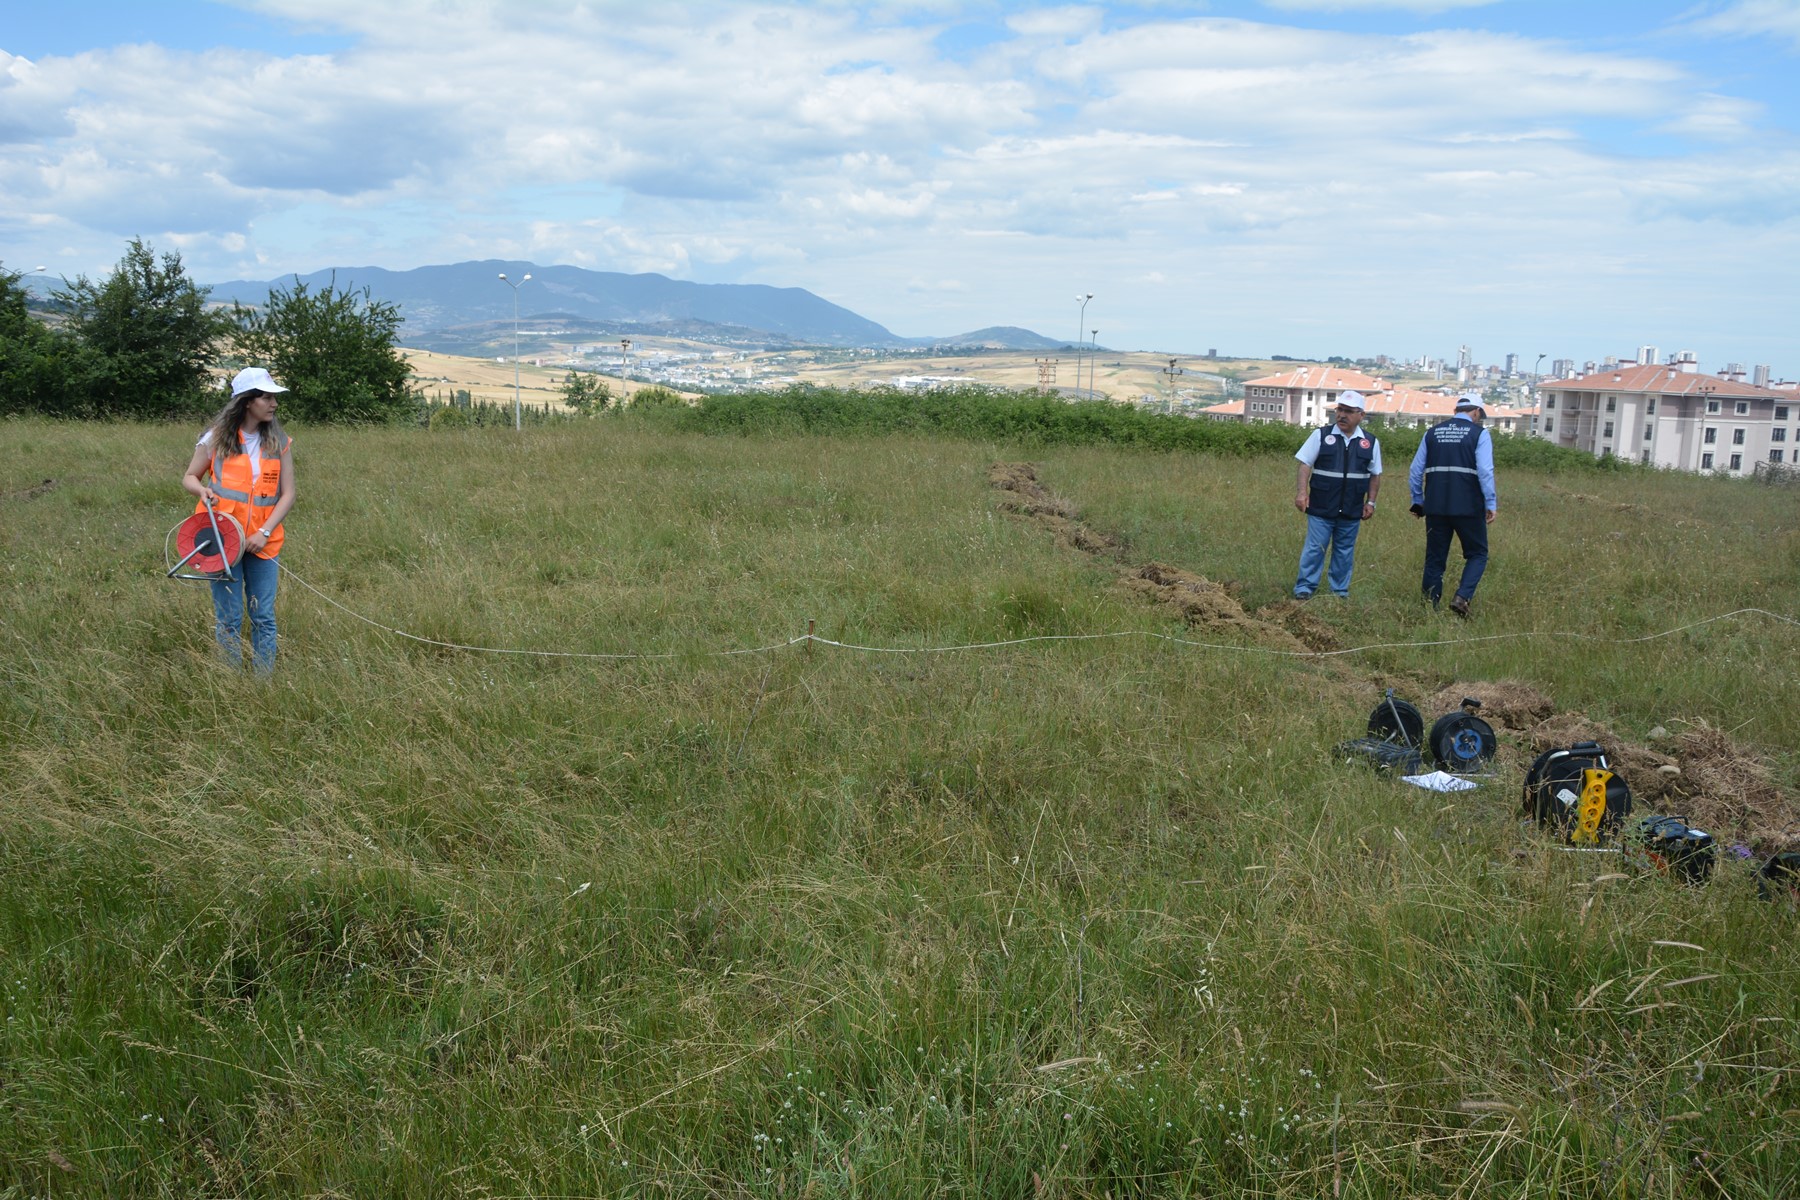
(728, 915)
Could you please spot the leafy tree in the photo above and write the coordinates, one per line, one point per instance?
(148, 340)
(33, 358)
(336, 350)
(586, 393)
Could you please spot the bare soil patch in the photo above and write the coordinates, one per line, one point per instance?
(30, 493)
(1293, 616)
(1205, 605)
(1505, 703)
(1029, 498)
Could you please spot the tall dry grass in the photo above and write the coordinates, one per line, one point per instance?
(1069, 918)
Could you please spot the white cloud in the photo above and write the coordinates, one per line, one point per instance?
(1752, 18)
(833, 149)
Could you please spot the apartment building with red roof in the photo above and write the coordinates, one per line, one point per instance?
(1672, 416)
(1306, 397)
(1302, 396)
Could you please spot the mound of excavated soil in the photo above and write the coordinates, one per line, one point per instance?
(1505, 703)
(1293, 616)
(1030, 498)
(1203, 604)
(1727, 787)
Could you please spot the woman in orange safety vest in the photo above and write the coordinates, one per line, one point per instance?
(243, 466)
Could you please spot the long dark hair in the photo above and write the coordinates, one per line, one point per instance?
(223, 433)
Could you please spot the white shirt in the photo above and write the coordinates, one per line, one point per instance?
(1309, 453)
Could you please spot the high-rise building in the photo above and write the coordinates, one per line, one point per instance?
(1464, 360)
(1649, 356)
(1760, 375)
(1512, 365)
(1562, 368)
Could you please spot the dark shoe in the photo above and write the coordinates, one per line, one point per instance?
(1302, 597)
(1460, 605)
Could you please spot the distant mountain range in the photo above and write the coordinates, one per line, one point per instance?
(456, 307)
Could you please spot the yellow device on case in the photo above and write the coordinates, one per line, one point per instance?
(1592, 806)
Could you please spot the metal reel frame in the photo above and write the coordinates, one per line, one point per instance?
(219, 540)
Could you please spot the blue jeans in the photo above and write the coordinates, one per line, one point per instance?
(255, 583)
(1338, 534)
(1471, 532)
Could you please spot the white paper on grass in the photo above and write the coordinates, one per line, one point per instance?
(1440, 781)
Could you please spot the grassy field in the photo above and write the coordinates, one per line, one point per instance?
(1069, 918)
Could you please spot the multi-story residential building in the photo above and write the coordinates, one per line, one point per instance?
(1303, 396)
(1307, 396)
(1670, 417)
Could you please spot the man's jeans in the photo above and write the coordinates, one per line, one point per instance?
(1472, 533)
(1337, 534)
(255, 585)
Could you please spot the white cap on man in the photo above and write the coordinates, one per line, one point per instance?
(254, 379)
(1471, 400)
(1351, 400)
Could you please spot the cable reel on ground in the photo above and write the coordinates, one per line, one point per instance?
(1397, 721)
(1574, 791)
(1461, 742)
(1395, 731)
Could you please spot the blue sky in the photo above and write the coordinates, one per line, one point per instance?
(1302, 177)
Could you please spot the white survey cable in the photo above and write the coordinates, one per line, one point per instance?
(809, 638)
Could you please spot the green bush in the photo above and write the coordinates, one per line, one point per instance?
(1032, 419)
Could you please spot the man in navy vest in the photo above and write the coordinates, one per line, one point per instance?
(1340, 473)
(1452, 482)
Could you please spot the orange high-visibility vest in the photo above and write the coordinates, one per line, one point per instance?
(249, 500)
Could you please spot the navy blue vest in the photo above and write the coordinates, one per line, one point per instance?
(1340, 475)
(1452, 484)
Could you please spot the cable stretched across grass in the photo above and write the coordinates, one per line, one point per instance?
(813, 638)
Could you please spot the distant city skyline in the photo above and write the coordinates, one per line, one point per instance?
(1298, 177)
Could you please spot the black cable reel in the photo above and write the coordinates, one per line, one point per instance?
(1461, 742)
(1395, 732)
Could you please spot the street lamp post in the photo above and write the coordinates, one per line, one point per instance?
(1537, 394)
(1093, 361)
(518, 420)
(624, 370)
(1080, 324)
